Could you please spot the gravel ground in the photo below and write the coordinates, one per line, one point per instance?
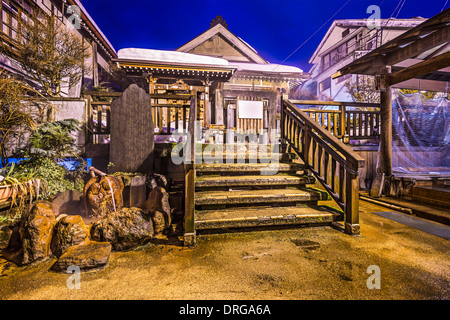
(302, 263)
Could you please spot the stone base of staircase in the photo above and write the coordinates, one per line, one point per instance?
(255, 194)
(263, 217)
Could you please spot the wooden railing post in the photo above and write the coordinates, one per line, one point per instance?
(352, 200)
(90, 121)
(189, 169)
(342, 122)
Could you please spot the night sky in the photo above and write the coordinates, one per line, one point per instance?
(274, 28)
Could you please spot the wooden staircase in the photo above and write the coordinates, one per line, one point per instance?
(244, 195)
(226, 190)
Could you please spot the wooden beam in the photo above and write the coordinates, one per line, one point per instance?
(335, 103)
(354, 68)
(423, 84)
(153, 96)
(102, 94)
(419, 46)
(427, 66)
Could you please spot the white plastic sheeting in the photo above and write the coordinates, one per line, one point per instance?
(420, 134)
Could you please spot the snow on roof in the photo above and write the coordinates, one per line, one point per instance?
(169, 56)
(385, 23)
(80, 5)
(271, 67)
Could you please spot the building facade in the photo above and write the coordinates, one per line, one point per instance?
(73, 16)
(345, 41)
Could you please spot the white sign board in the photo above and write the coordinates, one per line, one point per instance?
(250, 109)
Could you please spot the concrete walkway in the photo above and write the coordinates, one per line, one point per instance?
(309, 263)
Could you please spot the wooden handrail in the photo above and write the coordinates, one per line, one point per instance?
(334, 164)
(347, 152)
(336, 103)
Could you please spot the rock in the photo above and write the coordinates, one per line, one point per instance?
(90, 256)
(137, 191)
(69, 231)
(159, 222)
(158, 201)
(158, 180)
(36, 228)
(124, 229)
(5, 235)
(103, 195)
(67, 202)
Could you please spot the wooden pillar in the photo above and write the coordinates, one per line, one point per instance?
(272, 114)
(151, 84)
(219, 104)
(386, 132)
(95, 64)
(189, 167)
(206, 105)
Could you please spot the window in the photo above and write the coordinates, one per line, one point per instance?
(345, 33)
(326, 61)
(343, 50)
(325, 84)
(9, 21)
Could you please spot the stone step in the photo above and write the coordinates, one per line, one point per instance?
(244, 157)
(241, 147)
(262, 168)
(269, 216)
(252, 197)
(280, 179)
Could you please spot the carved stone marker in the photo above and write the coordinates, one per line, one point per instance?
(132, 132)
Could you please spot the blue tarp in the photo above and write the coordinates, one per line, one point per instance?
(69, 163)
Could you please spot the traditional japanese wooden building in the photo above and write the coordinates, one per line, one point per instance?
(226, 70)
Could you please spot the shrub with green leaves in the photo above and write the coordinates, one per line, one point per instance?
(48, 144)
(53, 139)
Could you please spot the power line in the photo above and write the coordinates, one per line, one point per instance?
(400, 9)
(313, 34)
(402, 2)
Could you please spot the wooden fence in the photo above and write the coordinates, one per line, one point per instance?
(352, 121)
(170, 112)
